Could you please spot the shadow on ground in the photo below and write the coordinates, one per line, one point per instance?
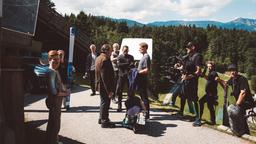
(32, 98)
(37, 136)
(170, 114)
(29, 99)
(80, 109)
(152, 128)
(155, 128)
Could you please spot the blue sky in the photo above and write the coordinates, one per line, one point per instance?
(145, 11)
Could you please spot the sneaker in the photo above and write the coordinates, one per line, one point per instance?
(108, 125)
(197, 123)
(92, 94)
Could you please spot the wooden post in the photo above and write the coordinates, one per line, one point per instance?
(1, 81)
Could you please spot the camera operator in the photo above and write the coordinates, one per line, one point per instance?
(192, 68)
(124, 61)
(174, 75)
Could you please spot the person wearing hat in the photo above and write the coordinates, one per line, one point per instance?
(242, 93)
(193, 64)
(104, 78)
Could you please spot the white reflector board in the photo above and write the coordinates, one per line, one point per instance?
(133, 44)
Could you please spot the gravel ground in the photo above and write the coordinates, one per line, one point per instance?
(79, 125)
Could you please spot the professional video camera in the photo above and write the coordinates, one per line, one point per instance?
(174, 68)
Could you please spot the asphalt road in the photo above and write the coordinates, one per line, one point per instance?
(79, 125)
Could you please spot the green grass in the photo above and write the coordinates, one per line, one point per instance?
(206, 114)
(201, 92)
(157, 104)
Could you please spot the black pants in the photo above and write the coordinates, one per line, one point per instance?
(122, 80)
(142, 89)
(115, 82)
(104, 106)
(92, 80)
(186, 92)
(189, 93)
(210, 100)
(53, 126)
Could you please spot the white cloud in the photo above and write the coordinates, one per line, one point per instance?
(200, 8)
(142, 10)
(251, 15)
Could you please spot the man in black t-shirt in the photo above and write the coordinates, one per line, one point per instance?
(211, 92)
(192, 72)
(242, 93)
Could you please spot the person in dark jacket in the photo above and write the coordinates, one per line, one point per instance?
(124, 62)
(90, 67)
(105, 84)
(193, 70)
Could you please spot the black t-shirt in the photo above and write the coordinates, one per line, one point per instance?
(240, 83)
(211, 84)
(190, 67)
(124, 62)
(192, 62)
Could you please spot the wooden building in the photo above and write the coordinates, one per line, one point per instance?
(19, 49)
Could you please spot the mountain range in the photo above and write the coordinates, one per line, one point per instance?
(239, 23)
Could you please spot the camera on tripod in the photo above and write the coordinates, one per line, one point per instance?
(174, 68)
